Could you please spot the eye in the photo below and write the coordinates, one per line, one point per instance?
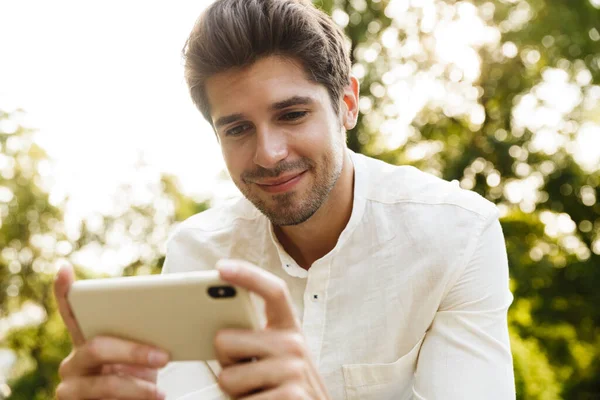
(237, 130)
(294, 115)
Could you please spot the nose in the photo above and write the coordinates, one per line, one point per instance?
(271, 147)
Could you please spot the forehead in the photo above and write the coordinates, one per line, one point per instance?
(258, 86)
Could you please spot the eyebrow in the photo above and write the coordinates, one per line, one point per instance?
(292, 101)
(228, 119)
(280, 105)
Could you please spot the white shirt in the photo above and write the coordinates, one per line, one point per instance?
(410, 304)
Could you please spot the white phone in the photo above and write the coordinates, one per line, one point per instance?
(179, 312)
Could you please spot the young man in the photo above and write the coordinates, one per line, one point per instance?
(378, 282)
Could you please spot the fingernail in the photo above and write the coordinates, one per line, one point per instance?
(227, 266)
(157, 358)
(160, 395)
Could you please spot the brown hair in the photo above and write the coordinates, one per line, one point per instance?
(236, 33)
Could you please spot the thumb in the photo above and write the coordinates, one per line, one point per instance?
(62, 284)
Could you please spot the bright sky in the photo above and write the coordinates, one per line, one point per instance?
(103, 83)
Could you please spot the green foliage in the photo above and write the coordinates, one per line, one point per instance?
(32, 243)
(534, 376)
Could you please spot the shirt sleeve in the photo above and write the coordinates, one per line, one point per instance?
(466, 352)
(188, 380)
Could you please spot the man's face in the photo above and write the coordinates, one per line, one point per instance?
(282, 142)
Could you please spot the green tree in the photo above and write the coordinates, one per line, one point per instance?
(32, 242)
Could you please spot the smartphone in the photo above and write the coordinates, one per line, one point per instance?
(179, 312)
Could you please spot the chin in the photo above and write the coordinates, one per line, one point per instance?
(292, 214)
(289, 220)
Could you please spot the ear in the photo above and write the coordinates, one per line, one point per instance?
(350, 99)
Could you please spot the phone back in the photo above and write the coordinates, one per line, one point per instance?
(180, 313)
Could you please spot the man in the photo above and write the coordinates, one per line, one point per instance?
(378, 282)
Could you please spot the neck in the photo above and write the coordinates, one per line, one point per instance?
(317, 236)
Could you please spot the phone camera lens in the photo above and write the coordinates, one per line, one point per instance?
(221, 292)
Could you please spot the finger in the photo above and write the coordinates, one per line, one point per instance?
(144, 373)
(268, 373)
(235, 345)
(108, 386)
(110, 350)
(273, 290)
(62, 283)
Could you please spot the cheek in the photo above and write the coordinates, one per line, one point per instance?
(315, 138)
(237, 160)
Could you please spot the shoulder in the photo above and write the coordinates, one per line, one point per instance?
(224, 216)
(201, 240)
(406, 185)
(443, 221)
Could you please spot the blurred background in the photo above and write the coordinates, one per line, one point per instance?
(102, 154)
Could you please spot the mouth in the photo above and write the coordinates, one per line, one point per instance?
(281, 184)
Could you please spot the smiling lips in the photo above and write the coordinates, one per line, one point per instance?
(280, 184)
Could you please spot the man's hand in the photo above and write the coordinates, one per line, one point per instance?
(281, 367)
(104, 367)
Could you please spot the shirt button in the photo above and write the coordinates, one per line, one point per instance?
(315, 297)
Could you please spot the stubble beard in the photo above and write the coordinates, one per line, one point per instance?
(288, 209)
